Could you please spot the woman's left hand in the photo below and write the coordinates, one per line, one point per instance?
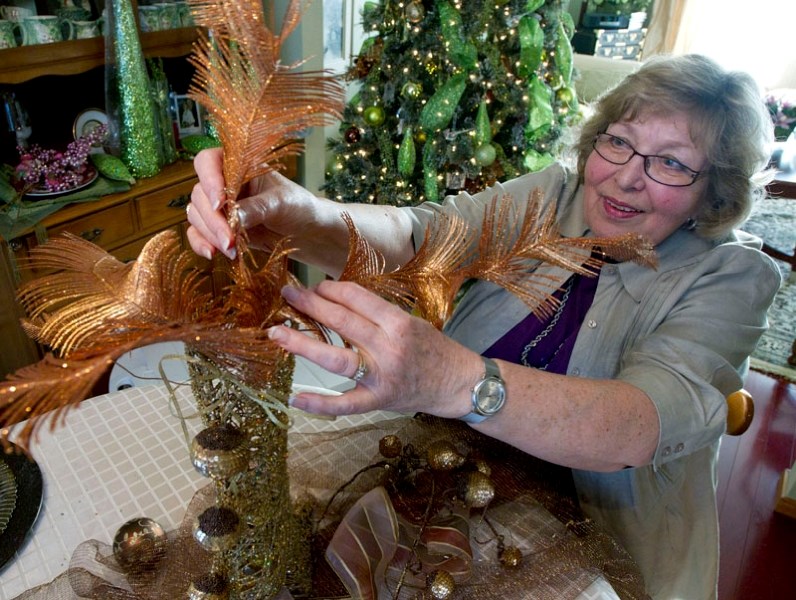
(410, 366)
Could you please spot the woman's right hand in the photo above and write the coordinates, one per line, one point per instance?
(269, 208)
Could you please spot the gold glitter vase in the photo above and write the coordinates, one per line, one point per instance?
(251, 531)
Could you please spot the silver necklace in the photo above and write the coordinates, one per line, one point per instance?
(543, 334)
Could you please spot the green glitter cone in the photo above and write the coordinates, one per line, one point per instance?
(129, 99)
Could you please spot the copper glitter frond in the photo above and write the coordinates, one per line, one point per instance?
(259, 107)
(94, 309)
(437, 271)
(506, 249)
(504, 255)
(91, 291)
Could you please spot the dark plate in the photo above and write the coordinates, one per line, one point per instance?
(29, 496)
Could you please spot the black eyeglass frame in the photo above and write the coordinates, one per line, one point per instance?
(692, 173)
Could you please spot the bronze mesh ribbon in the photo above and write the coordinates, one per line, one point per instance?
(561, 557)
(560, 560)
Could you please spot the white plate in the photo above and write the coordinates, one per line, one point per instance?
(88, 120)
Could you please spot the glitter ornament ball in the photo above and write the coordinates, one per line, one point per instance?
(219, 452)
(212, 586)
(442, 455)
(216, 528)
(373, 115)
(476, 490)
(390, 446)
(139, 544)
(440, 585)
(510, 556)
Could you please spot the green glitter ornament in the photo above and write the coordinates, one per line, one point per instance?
(406, 154)
(129, 98)
(461, 51)
(531, 45)
(438, 111)
(483, 130)
(564, 54)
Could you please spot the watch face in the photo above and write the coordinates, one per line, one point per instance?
(491, 395)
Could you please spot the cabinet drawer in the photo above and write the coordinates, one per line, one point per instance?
(105, 228)
(164, 206)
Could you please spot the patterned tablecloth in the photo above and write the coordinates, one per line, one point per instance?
(120, 456)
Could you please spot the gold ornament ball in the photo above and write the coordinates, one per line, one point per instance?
(139, 544)
(217, 528)
(412, 90)
(510, 556)
(420, 136)
(390, 446)
(219, 452)
(442, 455)
(373, 115)
(476, 490)
(212, 586)
(440, 585)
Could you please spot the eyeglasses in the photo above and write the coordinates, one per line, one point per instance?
(663, 169)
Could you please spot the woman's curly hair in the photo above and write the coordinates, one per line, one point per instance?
(728, 122)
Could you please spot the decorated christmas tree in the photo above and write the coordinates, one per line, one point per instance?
(452, 95)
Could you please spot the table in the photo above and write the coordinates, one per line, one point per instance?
(121, 456)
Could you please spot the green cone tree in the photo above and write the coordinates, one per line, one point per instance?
(452, 95)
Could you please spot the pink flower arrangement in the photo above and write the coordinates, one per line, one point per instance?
(781, 105)
(50, 170)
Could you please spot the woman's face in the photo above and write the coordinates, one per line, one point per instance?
(622, 198)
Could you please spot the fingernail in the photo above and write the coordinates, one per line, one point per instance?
(207, 253)
(229, 248)
(275, 333)
(217, 199)
(290, 293)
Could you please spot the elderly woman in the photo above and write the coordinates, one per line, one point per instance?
(626, 383)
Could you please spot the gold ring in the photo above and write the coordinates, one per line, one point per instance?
(362, 370)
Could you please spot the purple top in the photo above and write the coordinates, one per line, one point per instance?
(553, 349)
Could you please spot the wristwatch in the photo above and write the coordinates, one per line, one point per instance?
(489, 394)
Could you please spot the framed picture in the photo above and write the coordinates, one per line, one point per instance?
(187, 115)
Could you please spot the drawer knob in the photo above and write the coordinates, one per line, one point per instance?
(180, 201)
(92, 234)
